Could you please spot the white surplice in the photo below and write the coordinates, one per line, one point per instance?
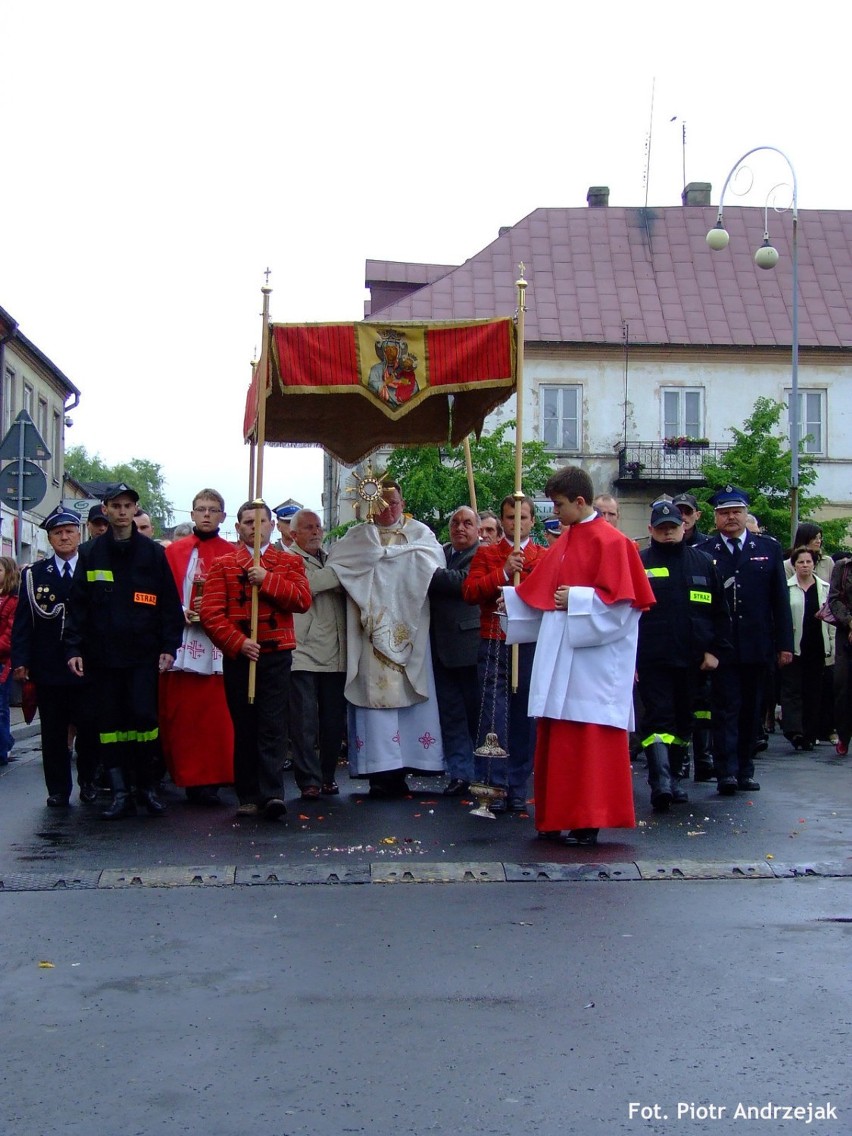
(585, 657)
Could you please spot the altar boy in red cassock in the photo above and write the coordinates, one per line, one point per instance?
(586, 596)
(195, 727)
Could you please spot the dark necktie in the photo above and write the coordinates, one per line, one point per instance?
(736, 550)
(66, 571)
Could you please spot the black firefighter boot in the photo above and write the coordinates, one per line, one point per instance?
(679, 766)
(701, 747)
(659, 776)
(122, 804)
(146, 791)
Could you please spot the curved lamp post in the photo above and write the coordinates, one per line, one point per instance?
(767, 257)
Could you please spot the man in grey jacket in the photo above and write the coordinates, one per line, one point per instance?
(318, 675)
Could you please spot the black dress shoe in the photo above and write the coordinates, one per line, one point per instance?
(516, 805)
(747, 785)
(88, 793)
(550, 834)
(456, 788)
(57, 801)
(385, 788)
(727, 786)
(582, 837)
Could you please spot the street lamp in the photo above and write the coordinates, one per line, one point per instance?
(767, 257)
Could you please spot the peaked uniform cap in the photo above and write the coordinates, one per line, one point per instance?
(665, 513)
(117, 490)
(60, 516)
(730, 497)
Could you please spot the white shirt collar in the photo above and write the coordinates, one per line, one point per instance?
(60, 563)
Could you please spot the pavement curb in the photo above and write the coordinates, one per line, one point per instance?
(301, 875)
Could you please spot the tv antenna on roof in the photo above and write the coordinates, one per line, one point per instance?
(647, 176)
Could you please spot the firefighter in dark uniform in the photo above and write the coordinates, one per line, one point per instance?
(752, 572)
(681, 638)
(124, 627)
(702, 734)
(38, 654)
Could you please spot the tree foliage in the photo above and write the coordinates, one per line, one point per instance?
(434, 479)
(146, 477)
(760, 463)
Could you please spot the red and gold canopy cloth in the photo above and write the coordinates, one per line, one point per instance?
(351, 388)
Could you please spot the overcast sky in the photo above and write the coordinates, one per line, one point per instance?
(158, 157)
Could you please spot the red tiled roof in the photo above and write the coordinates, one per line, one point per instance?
(589, 269)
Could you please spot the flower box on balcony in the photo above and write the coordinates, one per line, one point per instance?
(686, 443)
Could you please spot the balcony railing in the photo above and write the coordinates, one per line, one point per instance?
(655, 461)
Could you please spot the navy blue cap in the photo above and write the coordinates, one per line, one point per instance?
(117, 490)
(729, 498)
(286, 512)
(60, 516)
(685, 499)
(553, 525)
(665, 513)
(96, 513)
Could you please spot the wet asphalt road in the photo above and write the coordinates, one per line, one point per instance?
(802, 815)
(502, 1007)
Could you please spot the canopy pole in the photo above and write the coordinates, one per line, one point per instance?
(468, 465)
(518, 495)
(258, 502)
(252, 453)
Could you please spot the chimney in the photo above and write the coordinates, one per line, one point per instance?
(598, 196)
(503, 230)
(697, 193)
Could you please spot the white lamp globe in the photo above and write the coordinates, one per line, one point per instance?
(766, 256)
(718, 238)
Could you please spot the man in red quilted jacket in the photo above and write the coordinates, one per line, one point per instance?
(260, 727)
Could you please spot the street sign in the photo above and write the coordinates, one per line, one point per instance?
(23, 440)
(35, 484)
(79, 505)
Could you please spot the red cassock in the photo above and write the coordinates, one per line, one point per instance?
(583, 777)
(196, 732)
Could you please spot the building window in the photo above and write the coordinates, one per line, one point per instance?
(683, 412)
(29, 396)
(811, 419)
(560, 417)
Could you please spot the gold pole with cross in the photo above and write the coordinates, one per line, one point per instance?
(518, 495)
(258, 502)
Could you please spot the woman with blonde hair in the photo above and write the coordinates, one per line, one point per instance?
(10, 578)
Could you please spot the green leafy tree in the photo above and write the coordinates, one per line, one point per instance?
(759, 462)
(434, 479)
(146, 477)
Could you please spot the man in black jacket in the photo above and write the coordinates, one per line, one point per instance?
(681, 639)
(124, 628)
(38, 654)
(454, 635)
